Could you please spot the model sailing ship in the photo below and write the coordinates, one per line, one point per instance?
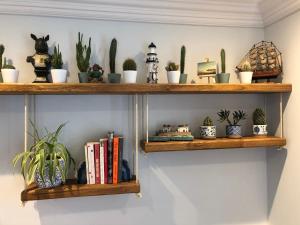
(265, 60)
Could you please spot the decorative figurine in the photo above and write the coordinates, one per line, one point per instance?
(41, 60)
(95, 74)
(152, 62)
(207, 69)
(169, 133)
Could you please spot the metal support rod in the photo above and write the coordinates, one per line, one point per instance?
(26, 114)
(281, 116)
(147, 118)
(136, 114)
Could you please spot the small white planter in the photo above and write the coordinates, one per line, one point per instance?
(260, 130)
(246, 77)
(173, 77)
(208, 132)
(59, 75)
(10, 75)
(130, 76)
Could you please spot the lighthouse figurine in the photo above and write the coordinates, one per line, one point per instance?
(152, 62)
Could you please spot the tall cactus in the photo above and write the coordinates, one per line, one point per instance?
(112, 55)
(182, 59)
(259, 117)
(223, 61)
(83, 54)
(1, 55)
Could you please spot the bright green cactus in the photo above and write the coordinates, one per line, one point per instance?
(182, 59)
(129, 64)
(223, 65)
(259, 117)
(56, 61)
(83, 54)
(172, 67)
(112, 55)
(208, 122)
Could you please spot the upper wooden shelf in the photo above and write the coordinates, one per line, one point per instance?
(94, 88)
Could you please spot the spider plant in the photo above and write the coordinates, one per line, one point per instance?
(236, 115)
(46, 152)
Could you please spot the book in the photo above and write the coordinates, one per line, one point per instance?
(121, 142)
(105, 160)
(97, 162)
(110, 158)
(87, 164)
(102, 176)
(91, 162)
(115, 159)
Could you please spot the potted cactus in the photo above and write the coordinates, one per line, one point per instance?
(2, 48)
(113, 77)
(9, 73)
(246, 73)
(129, 71)
(83, 55)
(259, 123)
(173, 73)
(59, 75)
(223, 77)
(208, 130)
(233, 129)
(183, 76)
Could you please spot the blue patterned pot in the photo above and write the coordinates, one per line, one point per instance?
(47, 182)
(234, 131)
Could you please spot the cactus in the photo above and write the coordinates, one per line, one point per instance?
(56, 61)
(112, 55)
(1, 55)
(7, 66)
(172, 67)
(208, 122)
(83, 54)
(223, 66)
(246, 67)
(259, 117)
(182, 59)
(129, 64)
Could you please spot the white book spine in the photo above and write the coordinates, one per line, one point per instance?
(101, 161)
(91, 158)
(87, 164)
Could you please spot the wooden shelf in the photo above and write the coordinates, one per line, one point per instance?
(94, 88)
(71, 189)
(219, 143)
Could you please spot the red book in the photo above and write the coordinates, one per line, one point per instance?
(97, 162)
(115, 159)
(105, 161)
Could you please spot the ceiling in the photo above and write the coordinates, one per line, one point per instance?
(237, 13)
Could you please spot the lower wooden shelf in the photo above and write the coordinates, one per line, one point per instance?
(219, 143)
(71, 189)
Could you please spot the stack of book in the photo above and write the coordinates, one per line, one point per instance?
(104, 160)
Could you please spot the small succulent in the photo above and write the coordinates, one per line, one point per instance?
(246, 67)
(7, 66)
(129, 64)
(259, 117)
(56, 61)
(112, 55)
(172, 67)
(208, 121)
(83, 54)
(236, 115)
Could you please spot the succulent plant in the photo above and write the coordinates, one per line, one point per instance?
(2, 48)
(208, 121)
(182, 59)
(112, 55)
(237, 116)
(172, 67)
(83, 54)
(56, 61)
(246, 67)
(223, 58)
(129, 64)
(7, 66)
(259, 117)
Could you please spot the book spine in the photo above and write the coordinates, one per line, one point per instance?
(115, 159)
(97, 162)
(87, 164)
(121, 143)
(102, 161)
(110, 157)
(105, 160)
(91, 162)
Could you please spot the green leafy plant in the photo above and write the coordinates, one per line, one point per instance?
(236, 115)
(7, 66)
(259, 117)
(129, 64)
(57, 61)
(208, 121)
(172, 67)
(246, 67)
(223, 58)
(83, 54)
(45, 153)
(2, 48)
(112, 55)
(182, 59)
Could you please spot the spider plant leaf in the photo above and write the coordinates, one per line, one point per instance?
(42, 165)
(31, 173)
(17, 158)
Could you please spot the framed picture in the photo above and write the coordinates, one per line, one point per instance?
(207, 69)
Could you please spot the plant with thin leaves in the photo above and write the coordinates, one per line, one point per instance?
(83, 54)
(57, 62)
(237, 116)
(45, 153)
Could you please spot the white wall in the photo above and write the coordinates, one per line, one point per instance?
(283, 167)
(195, 188)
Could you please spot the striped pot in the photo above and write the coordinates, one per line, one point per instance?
(234, 131)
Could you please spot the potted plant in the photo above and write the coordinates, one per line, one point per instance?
(9, 73)
(83, 55)
(173, 73)
(183, 76)
(59, 75)
(2, 48)
(246, 73)
(113, 77)
(129, 71)
(233, 129)
(47, 161)
(259, 123)
(208, 130)
(223, 77)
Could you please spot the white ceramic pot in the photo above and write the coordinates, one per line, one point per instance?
(260, 130)
(208, 132)
(129, 76)
(173, 77)
(246, 77)
(59, 75)
(10, 75)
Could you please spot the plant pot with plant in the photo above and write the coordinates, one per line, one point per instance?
(259, 123)
(83, 55)
(208, 130)
(129, 71)
(223, 77)
(173, 73)
(47, 162)
(58, 74)
(245, 75)
(113, 77)
(9, 73)
(2, 48)
(183, 76)
(233, 129)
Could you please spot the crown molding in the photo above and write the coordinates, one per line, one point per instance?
(184, 12)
